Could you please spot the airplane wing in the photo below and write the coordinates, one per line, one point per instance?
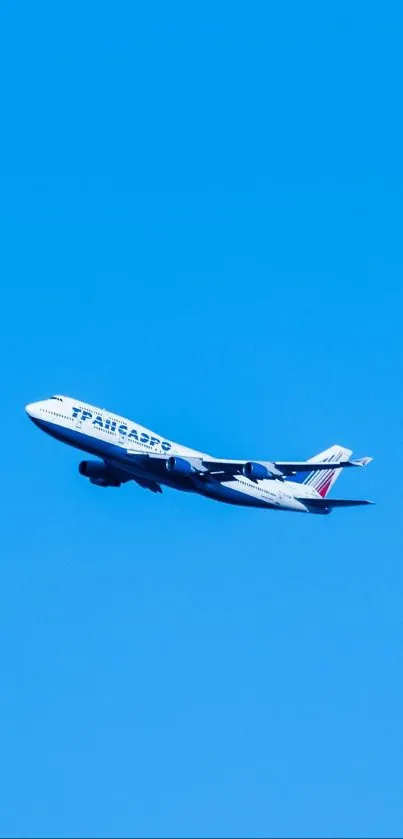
(290, 468)
(201, 465)
(280, 468)
(229, 468)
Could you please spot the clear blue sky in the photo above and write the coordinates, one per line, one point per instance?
(201, 217)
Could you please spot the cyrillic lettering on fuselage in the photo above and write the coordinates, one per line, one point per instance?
(111, 425)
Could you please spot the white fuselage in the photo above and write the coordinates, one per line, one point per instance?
(115, 439)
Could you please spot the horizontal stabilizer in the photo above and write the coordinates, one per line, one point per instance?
(333, 502)
(362, 461)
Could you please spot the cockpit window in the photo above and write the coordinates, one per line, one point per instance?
(57, 397)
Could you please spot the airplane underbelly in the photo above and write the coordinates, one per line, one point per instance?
(229, 495)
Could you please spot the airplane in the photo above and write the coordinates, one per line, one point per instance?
(126, 451)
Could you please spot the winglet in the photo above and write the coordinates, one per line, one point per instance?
(362, 461)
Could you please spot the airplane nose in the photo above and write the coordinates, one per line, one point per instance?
(30, 409)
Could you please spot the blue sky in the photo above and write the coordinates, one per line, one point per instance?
(201, 213)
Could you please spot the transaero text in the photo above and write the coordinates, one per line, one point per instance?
(111, 425)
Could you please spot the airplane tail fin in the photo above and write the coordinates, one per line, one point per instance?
(323, 479)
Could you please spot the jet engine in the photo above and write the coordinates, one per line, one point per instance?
(179, 466)
(99, 473)
(256, 471)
